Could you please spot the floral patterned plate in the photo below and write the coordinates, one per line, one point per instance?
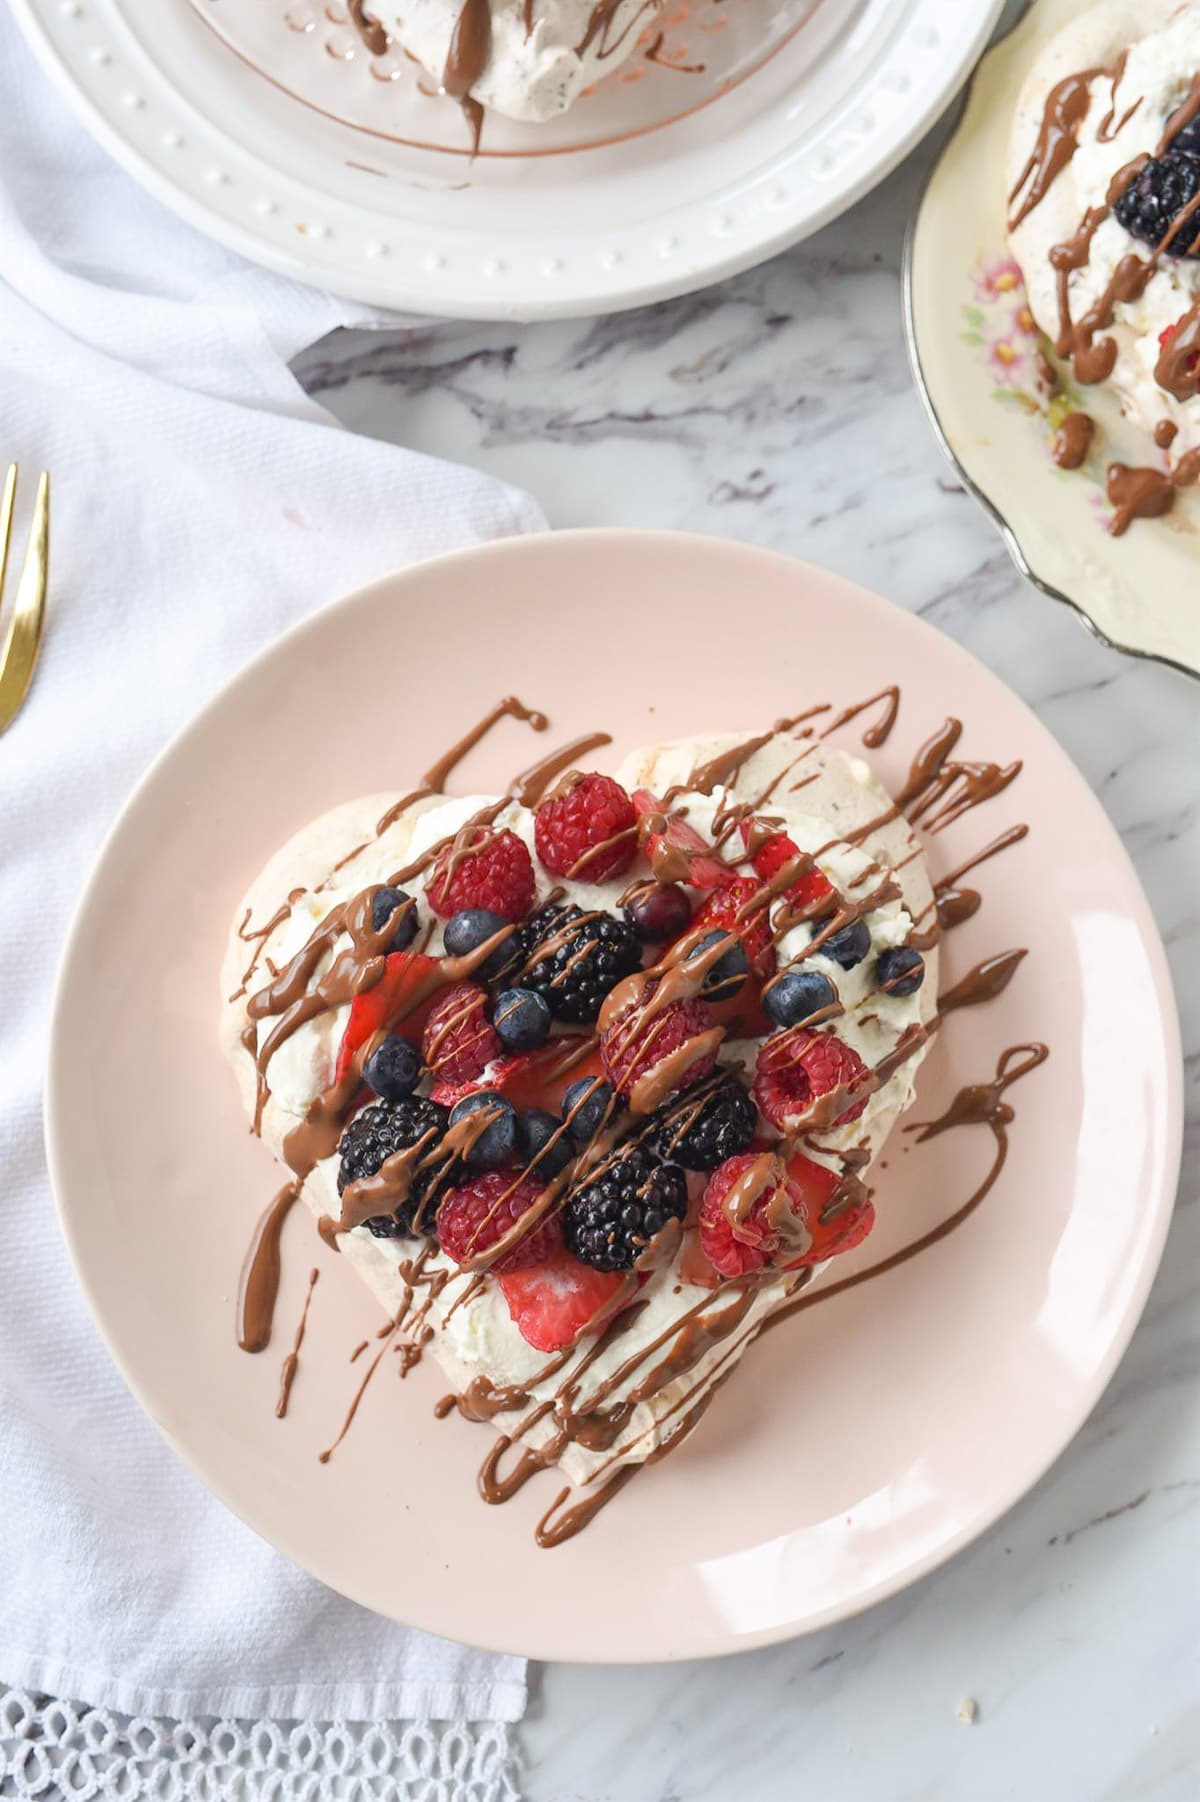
(977, 356)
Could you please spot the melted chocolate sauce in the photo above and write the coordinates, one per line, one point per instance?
(368, 28)
(1074, 440)
(259, 1283)
(291, 1364)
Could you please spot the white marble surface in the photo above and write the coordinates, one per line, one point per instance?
(779, 409)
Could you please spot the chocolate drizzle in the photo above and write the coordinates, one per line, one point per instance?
(259, 1284)
(1057, 140)
(368, 28)
(291, 1364)
(1074, 440)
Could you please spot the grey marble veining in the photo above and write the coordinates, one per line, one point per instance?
(778, 408)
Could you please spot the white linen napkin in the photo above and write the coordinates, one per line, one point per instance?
(201, 504)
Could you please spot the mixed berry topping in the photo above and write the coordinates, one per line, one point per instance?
(796, 997)
(899, 971)
(553, 1304)
(849, 945)
(610, 1219)
(737, 907)
(394, 1068)
(799, 1070)
(703, 1127)
(490, 869)
(761, 1209)
(493, 1134)
(573, 959)
(648, 1039)
(575, 1092)
(1153, 202)
(473, 1219)
(587, 831)
(522, 1019)
(659, 911)
(460, 1041)
(394, 905)
(472, 927)
(378, 1133)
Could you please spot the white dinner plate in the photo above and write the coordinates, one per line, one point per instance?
(643, 194)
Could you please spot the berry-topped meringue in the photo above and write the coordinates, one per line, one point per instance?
(587, 1079)
(1104, 221)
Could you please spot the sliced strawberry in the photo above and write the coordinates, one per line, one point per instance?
(406, 976)
(808, 890)
(815, 1187)
(704, 869)
(724, 907)
(541, 1078)
(551, 1304)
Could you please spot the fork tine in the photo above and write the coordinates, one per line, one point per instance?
(23, 639)
(7, 502)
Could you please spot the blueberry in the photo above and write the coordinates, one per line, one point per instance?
(467, 930)
(900, 971)
(659, 911)
(497, 1143)
(849, 946)
(393, 1069)
(727, 975)
(522, 1019)
(387, 902)
(585, 1107)
(797, 996)
(537, 1128)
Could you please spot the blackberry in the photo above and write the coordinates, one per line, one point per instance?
(371, 1138)
(608, 1221)
(573, 959)
(1151, 203)
(705, 1125)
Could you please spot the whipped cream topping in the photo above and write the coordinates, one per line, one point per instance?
(536, 61)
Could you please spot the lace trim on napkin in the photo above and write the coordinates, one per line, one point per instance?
(51, 1749)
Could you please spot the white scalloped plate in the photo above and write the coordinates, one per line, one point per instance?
(526, 236)
(972, 353)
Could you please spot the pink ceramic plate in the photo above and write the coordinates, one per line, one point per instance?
(858, 1445)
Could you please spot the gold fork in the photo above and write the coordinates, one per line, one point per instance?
(23, 639)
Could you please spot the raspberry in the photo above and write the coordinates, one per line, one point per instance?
(723, 907)
(491, 870)
(796, 1069)
(636, 1041)
(588, 831)
(807, 891)
(472, 1219)
(459, 1040)
(735, 1246)
(556, 1302)
(763, 1235)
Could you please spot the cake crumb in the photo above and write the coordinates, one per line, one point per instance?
(967, 1711)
